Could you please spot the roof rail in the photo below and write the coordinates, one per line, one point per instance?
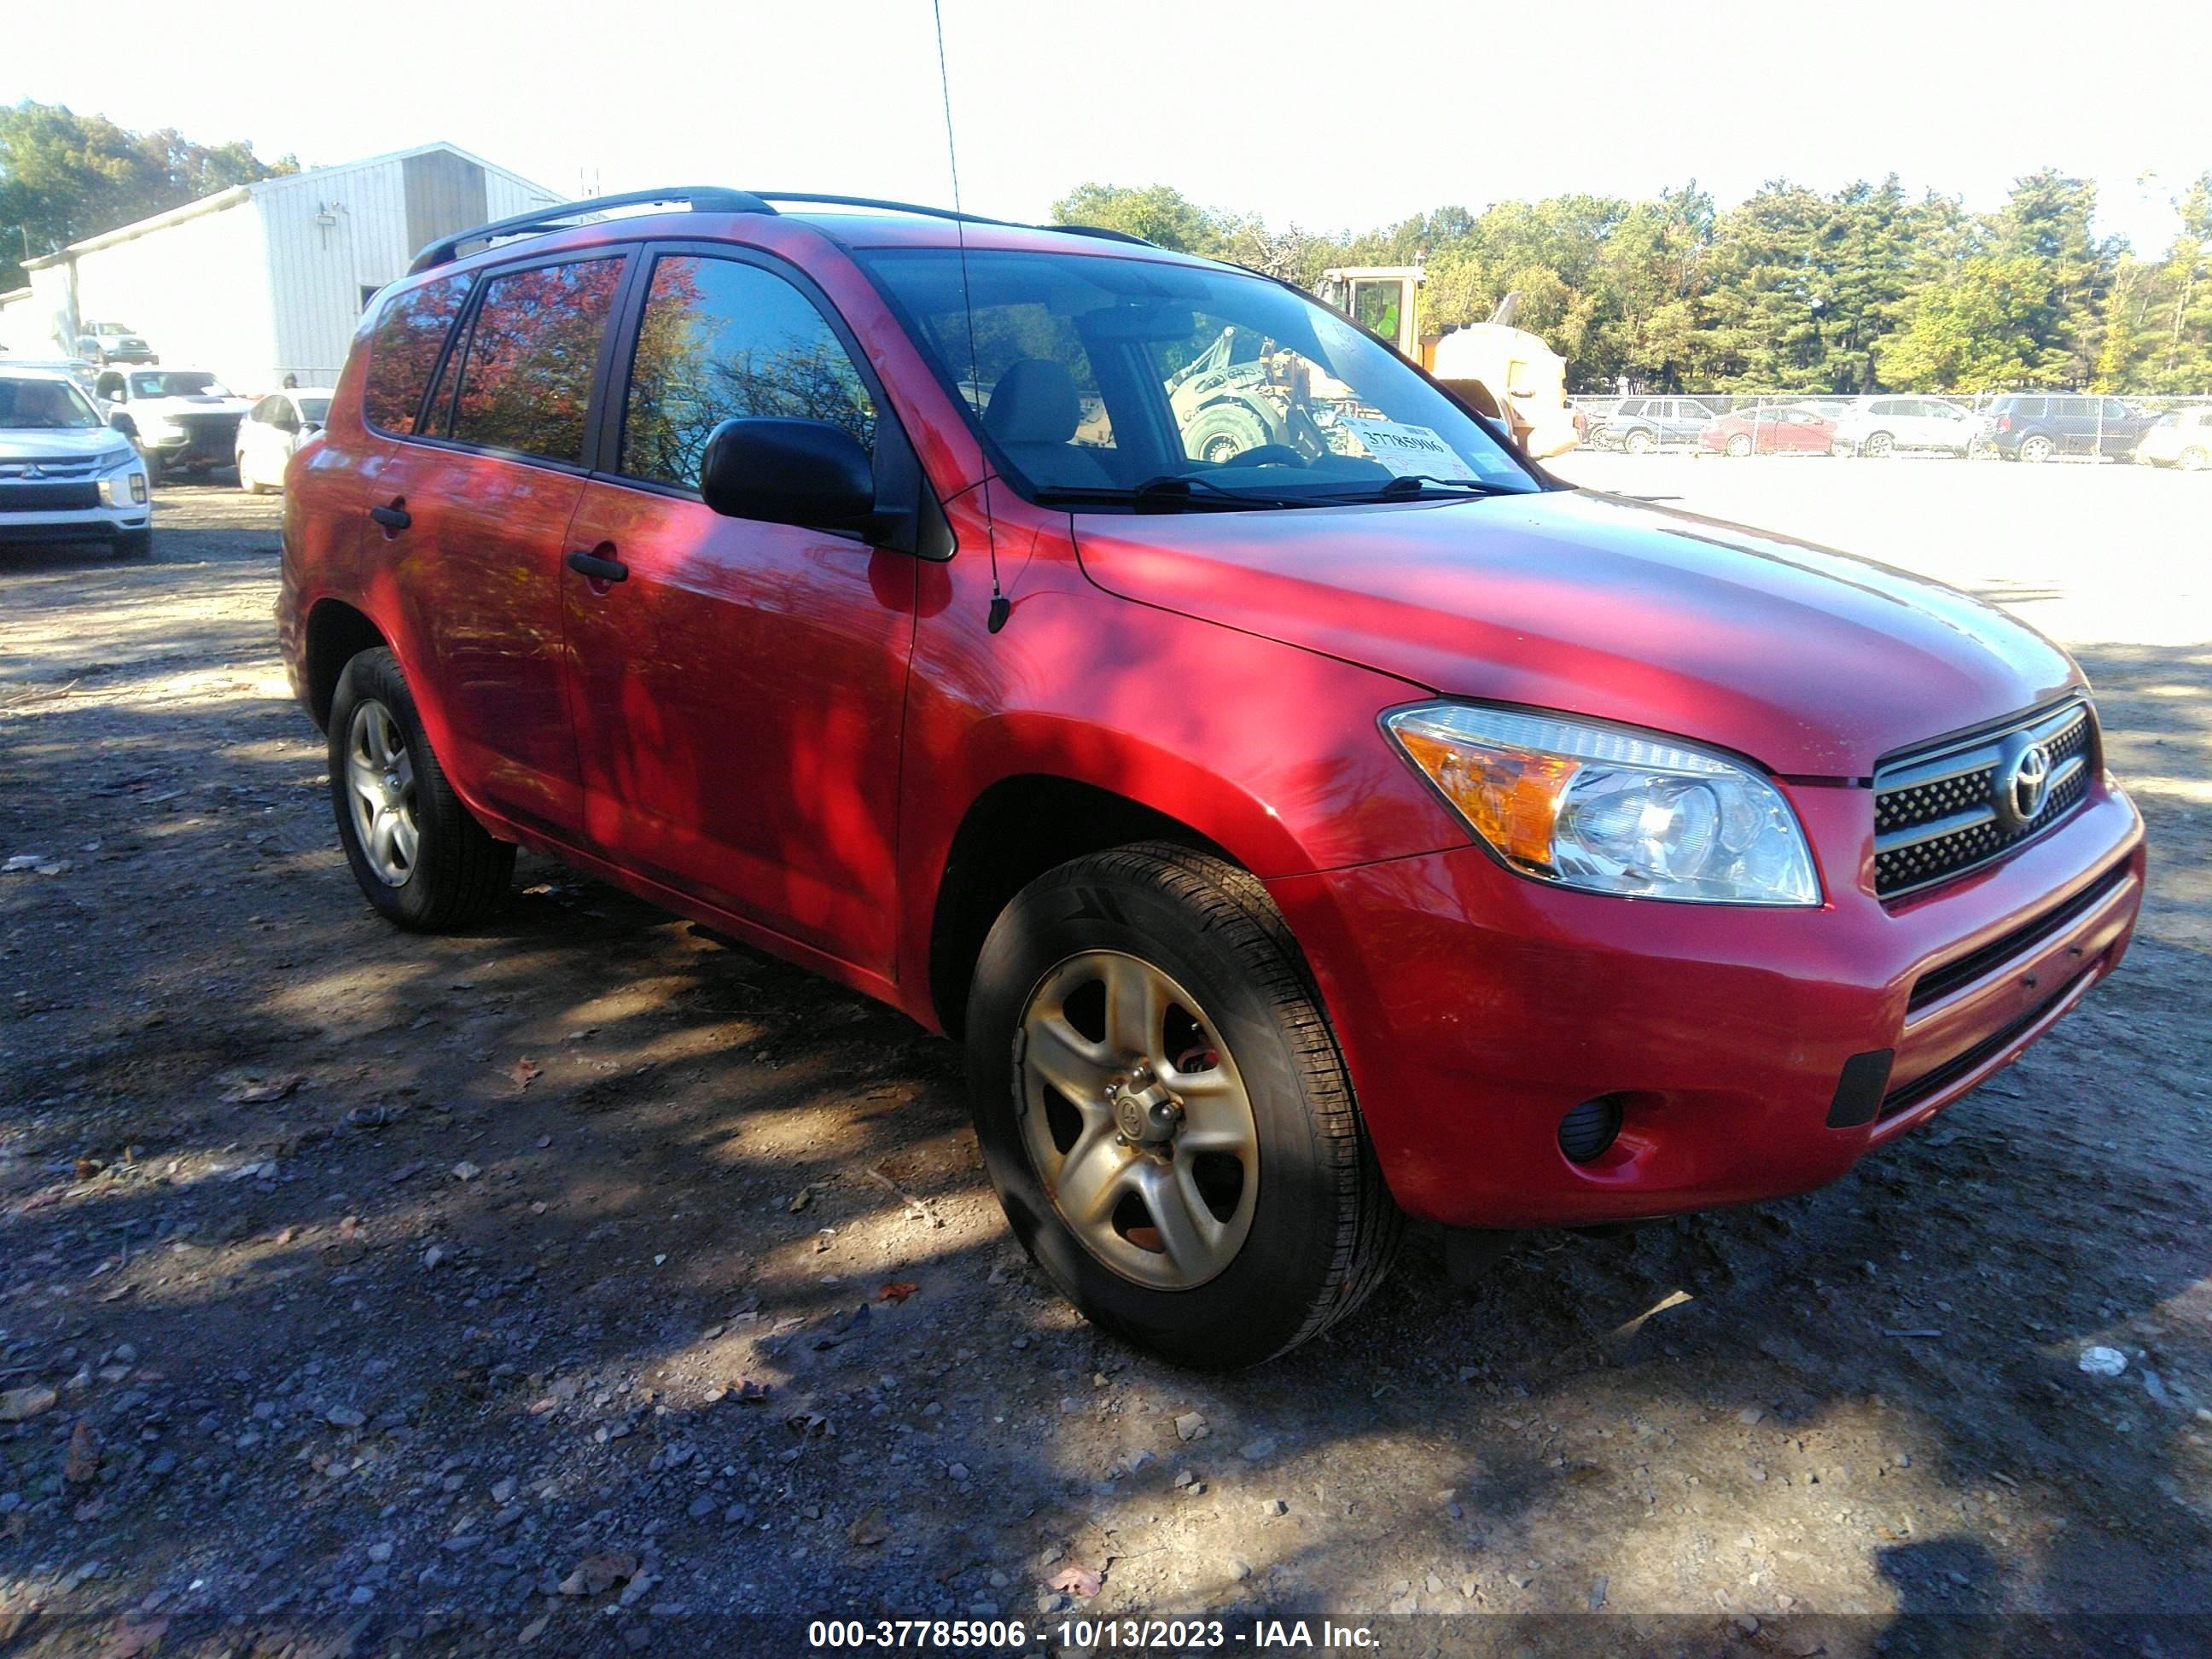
(943, 213)
(1104, 233)
(816, 200)
(700, 199)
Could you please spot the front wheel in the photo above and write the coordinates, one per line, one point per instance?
(2193, 459)
(420, 860)
(135, 544)
(1878, 444)
(1638, 443)
(1164, 1112)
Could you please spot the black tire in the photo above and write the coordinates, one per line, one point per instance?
(135, 545)
(2036, 449)
(458, 874)
(1878, 445)
(1324, 1229)
(1222, 431)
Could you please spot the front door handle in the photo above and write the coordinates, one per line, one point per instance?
(598, 569)
(393, 517)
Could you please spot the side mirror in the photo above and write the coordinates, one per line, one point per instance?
(788, 471)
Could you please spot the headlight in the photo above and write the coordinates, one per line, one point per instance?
(1610, 810)
(115, 460)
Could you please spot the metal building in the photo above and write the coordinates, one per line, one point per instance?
(268, 279)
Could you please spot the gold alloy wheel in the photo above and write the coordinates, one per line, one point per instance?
(380, 790)
(1136, 1121)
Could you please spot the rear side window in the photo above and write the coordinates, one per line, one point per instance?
(526, 382)
(404, 351)
(720, 341)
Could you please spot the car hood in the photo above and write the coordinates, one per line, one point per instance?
(46, 443)
(192, 405)
(1810, 661)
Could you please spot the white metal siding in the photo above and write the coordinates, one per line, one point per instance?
(321, 273)
(271, 284)
(198, 290)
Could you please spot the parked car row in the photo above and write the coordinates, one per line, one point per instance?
(2017, 426)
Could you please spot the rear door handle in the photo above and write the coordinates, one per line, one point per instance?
(393, 517)
(598, 569)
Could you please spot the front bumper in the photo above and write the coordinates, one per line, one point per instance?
(92, 524)
(1476, 1008)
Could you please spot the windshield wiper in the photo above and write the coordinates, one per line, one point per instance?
(1413, 484)
(1171, 492)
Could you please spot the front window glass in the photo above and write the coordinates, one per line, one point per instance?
(527, 381)
(178, 383)
(45, 405)
(1101, 376)
(720, 341)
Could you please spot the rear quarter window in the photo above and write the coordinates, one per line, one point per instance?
(403, 350)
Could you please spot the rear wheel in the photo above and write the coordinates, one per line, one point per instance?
(422, 860)
(1740, 445)
(1164, 1112)
(1878, 444)
(2036, 448)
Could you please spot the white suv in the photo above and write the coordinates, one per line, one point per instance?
(66, 475)
(1880, 426)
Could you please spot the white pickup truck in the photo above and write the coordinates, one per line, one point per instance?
(182, 419)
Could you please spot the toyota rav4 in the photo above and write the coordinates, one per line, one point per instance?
(1361, 825)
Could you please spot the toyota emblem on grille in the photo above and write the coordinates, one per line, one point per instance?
(2025, 785)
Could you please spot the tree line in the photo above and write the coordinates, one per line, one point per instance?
(1860, 290)
(65, 177)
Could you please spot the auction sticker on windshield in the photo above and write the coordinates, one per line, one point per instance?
(1408, 449)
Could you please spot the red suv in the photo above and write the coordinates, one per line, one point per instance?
(1362, 826)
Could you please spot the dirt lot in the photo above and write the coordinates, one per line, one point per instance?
(586, 1283)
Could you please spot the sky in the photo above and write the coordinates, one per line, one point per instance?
(1331, 117)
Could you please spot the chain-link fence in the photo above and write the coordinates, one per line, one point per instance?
(2024, 425)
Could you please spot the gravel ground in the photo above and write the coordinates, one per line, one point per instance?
(585, 1282)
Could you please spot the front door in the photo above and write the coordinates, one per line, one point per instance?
(475, 529)
(738, 688)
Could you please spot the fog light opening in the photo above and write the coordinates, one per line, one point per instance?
(1587, 1131)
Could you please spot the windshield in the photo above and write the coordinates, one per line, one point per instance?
(1097, 376)
(45, 404)
(314, 410)
(178, 383)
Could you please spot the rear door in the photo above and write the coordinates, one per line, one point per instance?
(2075, 420)
(739, 687)
(470, 547)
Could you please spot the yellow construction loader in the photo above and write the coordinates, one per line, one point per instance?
(1504, 372)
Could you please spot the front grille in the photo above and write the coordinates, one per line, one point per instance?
(1941, 811)
(212, 434)
(47, 497)
(49, 469)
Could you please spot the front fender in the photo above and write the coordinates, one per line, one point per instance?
(1271, 752)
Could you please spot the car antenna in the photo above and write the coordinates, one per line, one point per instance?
(1001, 607)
